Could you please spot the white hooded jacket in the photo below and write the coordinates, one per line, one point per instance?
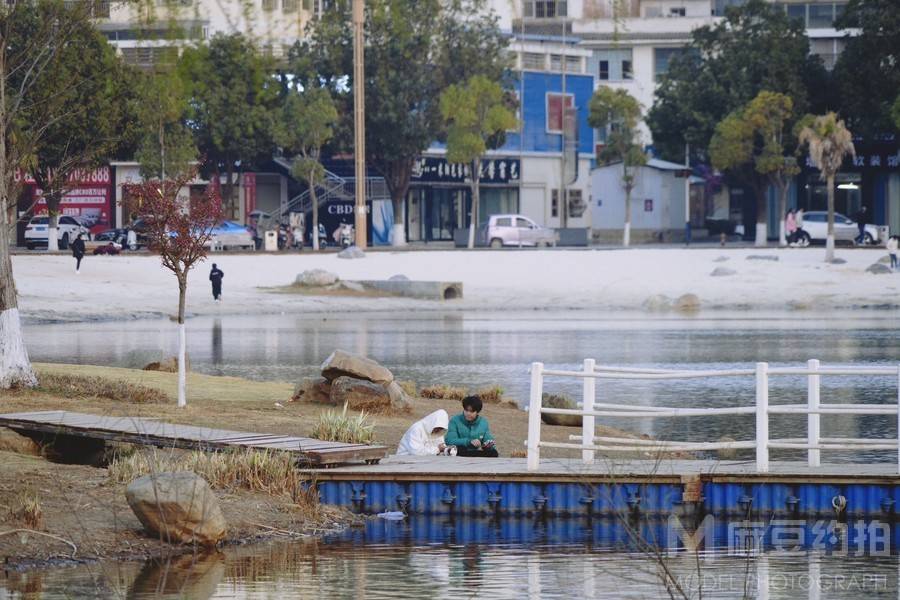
(418, 439)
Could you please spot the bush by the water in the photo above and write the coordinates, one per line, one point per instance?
(491, 395)
(557, 401)
(74, 386)
(269, 471)
(444, 392)
(335, 426)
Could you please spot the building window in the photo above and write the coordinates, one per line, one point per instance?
(533, 61)
(556, 63)
(269, 4)
(797, 11)
(573, 64)
(544, 9)
(821, 16)
(661, 59)
(554, 203)
(576, 203)
(289, 6)
(604, 70)
(614, 64)
(677, 12)
(555, 111)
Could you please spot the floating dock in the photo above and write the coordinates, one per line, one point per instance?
(608, 488)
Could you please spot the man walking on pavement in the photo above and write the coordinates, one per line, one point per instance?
(862, 219)
(215, 276)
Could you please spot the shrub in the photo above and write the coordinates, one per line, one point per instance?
(557, 401)
(74, 386)
(26, 508)
(491, 394)
(444, 392)
(409, 386)
(334, 426)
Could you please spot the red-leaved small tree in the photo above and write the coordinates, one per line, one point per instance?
(180, 231)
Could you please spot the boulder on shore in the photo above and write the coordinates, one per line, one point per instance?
(878, 269)
(687, 303)
(316, 278)
(722, 272)
(344, 364)
(169, 365)
(312, 389)
(359, 394)
(179, 507)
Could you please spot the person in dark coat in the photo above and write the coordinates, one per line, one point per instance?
(78, 252)
(862, 219)
(216, 276)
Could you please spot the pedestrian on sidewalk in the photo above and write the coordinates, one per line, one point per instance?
(862, 219)
(790, 226)
(215, 276)
(78, 252)
(892, 244)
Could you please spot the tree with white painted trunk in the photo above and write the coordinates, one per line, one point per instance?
(33, 37)
(180, 231)
(829, 143)
(617, 112)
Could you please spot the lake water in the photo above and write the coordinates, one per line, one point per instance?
(469, 559)
(495, 348)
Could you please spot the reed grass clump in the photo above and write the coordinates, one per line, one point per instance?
(444, 392)
(75, 386)
(26, 509)
(409, 386)
(491, 394)
(269, 471)
(334, 426)
(557, 401)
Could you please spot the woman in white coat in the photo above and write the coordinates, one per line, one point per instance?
(426, 436)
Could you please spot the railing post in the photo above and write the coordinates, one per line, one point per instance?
(762, 417)
(813, 419)
(587, 405)
(534, 415)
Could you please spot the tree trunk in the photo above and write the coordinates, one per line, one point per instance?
(762, 213)
(397, 174)
(626, 229)
(229, 191)
(782, 212)
(829, 239)
(476, 181)
(182, 342)
(52, 200)
(315, 211)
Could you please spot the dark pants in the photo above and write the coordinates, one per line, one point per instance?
(78, 258)
(861, 238)
(893, 261)
(470, 451)
(217, 290)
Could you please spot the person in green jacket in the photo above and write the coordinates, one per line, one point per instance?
(469, 432)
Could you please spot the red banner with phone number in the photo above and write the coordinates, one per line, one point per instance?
(88, 196)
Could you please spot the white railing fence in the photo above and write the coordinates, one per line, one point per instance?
(814, 443)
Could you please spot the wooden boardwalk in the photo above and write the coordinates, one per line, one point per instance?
(151, 432)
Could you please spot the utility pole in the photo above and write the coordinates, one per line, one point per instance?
(359, 120)
(687, 195)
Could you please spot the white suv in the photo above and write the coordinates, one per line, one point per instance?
(67, 229)
(815, 229)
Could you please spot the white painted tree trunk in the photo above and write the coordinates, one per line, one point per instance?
(782, 234)
(15, 368)
(626, 234)
(761, 235)
(182, 371)
(398, 235)
(52, 239)
(829, 248)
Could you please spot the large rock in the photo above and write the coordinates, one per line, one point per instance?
(341, 364)
(359, 394)
(178, 507)
(316, 278)
(771, 257)
(687, 303)
(399, 397)
(351, 252)
(722, 272)
(658, 302)
(879, 269)
(312, 389)
(169, 365)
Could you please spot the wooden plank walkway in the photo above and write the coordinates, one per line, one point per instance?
(449, 468)
(151, 432)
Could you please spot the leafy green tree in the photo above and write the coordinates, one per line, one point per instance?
(414, 50)
(755, 138)
(233, 97)
(867, 75)
(756, 47)
(305, 125)
(829, 143)
(166, 147)
(474, 114)
(619, 113)
(82, 91)
(34, 41)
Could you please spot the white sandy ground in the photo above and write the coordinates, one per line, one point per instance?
(134, 286)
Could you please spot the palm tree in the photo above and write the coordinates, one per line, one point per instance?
(829, 142)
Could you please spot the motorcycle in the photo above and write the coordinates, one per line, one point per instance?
(346, 235)
(323, 236)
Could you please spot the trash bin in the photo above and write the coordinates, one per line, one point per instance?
(271, 241)
(884, 232)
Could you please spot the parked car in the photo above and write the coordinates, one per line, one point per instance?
(229, 234)
(120, 235)
(815, 229)
(517, 230)
(67, 229)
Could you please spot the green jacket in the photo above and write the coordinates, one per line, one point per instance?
(461, 432)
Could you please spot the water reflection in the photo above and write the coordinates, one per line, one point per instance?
(189, 576)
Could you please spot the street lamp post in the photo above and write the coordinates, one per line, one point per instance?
(359, 121)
